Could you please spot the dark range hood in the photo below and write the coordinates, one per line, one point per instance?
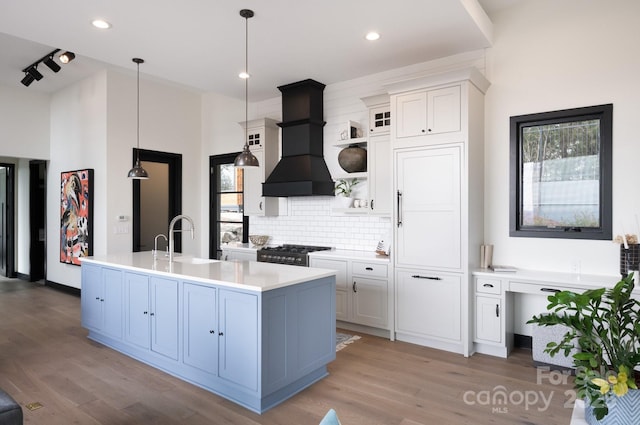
(301, 170)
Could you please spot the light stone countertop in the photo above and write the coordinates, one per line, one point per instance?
(247, 275)
(337, 254)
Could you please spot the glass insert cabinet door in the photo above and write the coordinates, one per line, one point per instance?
(561, 174)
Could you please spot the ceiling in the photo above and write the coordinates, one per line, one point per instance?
(200, 44)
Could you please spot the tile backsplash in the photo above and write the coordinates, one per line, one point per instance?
(310, 221)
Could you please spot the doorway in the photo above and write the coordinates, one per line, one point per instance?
(7, 230)
(156, 200)
(227, 222)
(37, 220)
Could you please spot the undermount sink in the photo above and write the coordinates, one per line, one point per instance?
(193, 260)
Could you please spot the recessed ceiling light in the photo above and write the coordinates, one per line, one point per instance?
(244, 75)
(101, 24)
(372, 36)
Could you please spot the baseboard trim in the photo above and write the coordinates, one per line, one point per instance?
(63, 288)
(23, 276)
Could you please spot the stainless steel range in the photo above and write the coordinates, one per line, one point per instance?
(296, 255)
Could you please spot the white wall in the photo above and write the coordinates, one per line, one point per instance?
(24, 123)
(551, 55)
(78, 141)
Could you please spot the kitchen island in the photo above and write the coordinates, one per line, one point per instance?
(254, 333)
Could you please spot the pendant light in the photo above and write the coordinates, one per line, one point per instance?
(137, 172)
(246, 158)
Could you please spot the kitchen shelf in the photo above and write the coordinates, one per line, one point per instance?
(361, 176)
(360, 141)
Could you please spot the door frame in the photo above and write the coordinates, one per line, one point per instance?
(215, 160)
(9, 230)
(37, 213)
(174, 161)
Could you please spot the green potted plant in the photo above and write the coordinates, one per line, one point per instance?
(605, 325)
(344, 188)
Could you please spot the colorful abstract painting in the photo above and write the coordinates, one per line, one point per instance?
(76, 215)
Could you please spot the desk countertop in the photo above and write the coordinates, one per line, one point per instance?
(546, 277)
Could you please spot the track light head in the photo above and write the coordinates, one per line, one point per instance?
(51, 64)
(27, 80)
(33, 71)
(67, 57)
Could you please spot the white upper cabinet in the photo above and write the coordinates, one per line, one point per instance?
(428, 112)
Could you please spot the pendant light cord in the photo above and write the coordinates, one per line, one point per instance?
(246, 81)
(138, 118)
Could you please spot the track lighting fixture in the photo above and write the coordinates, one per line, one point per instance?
(27, 80)
(51, 64)
(31, 72)
(67, 57)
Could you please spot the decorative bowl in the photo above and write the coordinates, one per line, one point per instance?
(259, 240)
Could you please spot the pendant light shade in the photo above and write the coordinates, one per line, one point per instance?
(137, 172)
(246, 158)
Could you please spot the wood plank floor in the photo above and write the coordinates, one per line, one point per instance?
(45, 357)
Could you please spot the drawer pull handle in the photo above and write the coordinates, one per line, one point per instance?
(497, 310)
(369, 268)
(488, 285)
(355, 288)
(550, 290)
(417, 276)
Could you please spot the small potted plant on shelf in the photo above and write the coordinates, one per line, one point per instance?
(605, 324)
(344, 188)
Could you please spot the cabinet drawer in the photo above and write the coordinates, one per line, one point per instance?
(369, 269)
(340, 266)
(488, 286)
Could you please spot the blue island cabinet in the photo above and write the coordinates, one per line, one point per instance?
(151, 313)
(101, 303)
(254, 347)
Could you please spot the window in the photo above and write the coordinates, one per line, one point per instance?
(227, 219)
(561, 174)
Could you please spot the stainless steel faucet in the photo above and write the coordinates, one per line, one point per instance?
(171, 231)
(155, 245)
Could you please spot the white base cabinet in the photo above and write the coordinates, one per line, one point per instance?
(362, 289)
(428, 308)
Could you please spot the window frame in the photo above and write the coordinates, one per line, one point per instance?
(603, 113)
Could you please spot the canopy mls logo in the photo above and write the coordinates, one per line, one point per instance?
(500, 398)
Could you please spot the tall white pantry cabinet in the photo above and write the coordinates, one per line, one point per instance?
(437, 138)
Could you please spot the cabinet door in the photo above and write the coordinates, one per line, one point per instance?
(428, 202)
(238, 349)
(137, 309)
(411, 114)
(488, 322)
(200, 327)
(443, 110)
(112, 305)
(428, 304)
(254, 202)
(370, 302)
(380, 179)
(342, 283)
(91, 297)
(379, 119)
(164, 317)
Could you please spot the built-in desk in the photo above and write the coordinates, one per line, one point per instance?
(493, 301)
